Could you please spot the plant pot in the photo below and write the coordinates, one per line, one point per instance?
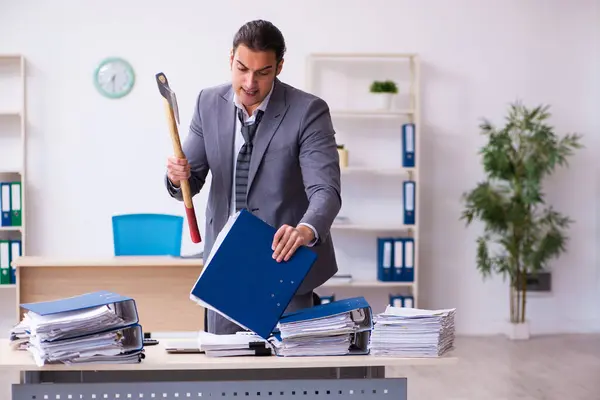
(518, 331)
(343, 154)
(382, 101)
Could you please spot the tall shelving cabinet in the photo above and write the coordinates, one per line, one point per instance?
(373, 178)
(13, 161)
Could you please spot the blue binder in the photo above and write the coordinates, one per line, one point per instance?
(402, 301)
(5, 203)
(408, 302)
(408, 265)
(396, 300)
(408, 145)
(398, 263)
(124, 306)
(385, 259)
(133, 342)
(361, 314)
(243, 282)
(408, 198)
(358, 304)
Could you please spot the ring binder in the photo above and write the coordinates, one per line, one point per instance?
(93, 327)
(243, 282)
(408, 145)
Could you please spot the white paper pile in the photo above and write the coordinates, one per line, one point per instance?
(19, 336)
(237, 344)
(411, 332)
(77, 337)
(325, 336)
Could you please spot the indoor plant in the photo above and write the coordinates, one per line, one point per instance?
(384, 91)
(522, 233)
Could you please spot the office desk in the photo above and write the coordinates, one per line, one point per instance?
(159, 285)
(192, 376)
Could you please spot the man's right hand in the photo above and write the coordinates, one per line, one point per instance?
(178, 169)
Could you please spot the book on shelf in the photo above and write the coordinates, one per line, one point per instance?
(396, 259)
(9, 251)
(10, 204)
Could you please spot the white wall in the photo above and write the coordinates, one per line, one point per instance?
(86, 160)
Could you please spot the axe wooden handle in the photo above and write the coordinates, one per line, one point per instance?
(185, 185)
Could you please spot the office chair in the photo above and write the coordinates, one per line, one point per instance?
(147, 234)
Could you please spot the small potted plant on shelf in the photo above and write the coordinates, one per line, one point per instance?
(522, 232)
(384, 92)
(343, 155)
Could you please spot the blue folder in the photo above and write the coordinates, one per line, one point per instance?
(385, 258)
(396, 300)
(408, 302)
(243, 282)
(361, 314)
(399, 256)
(358, 304)
(402, 301)
(408, 261)
(125, 307)
(408, 145)
(408, 198)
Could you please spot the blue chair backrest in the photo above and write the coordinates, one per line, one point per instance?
(147, 234)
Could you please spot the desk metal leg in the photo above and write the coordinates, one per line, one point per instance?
(292, 389)
(30, 377)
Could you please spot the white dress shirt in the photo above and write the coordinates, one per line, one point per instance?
(239, 142)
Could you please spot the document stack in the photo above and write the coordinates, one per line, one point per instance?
(338, 328)
(412, 332)
(237, 344)
(99, 327)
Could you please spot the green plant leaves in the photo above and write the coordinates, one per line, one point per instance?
(384, 87)
(525, 232)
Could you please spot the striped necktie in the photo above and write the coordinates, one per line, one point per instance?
(243, 160)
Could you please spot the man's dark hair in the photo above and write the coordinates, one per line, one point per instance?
(260, 35)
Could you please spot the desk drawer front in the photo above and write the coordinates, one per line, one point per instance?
(293, 389)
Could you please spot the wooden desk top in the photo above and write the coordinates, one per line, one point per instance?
(112, 261)
(158, 359)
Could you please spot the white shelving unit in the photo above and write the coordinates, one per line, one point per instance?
(372, 181)
(13, 160)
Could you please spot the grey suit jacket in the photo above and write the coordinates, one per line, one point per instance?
(294, 173)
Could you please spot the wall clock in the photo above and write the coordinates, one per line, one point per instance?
(114, 77)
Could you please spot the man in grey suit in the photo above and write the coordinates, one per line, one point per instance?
(270, 149)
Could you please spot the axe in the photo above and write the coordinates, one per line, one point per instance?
(173, 117)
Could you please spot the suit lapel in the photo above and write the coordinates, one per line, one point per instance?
(271, 119)
(226, 136)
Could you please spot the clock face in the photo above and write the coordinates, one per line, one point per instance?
(114, 78)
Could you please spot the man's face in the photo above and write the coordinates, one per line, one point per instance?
(252, 75)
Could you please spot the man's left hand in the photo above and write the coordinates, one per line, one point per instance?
(287, 239)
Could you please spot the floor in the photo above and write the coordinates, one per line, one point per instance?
(493, 368)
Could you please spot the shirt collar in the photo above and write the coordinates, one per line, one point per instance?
(262, 106)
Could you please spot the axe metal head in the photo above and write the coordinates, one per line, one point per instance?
(167, 93)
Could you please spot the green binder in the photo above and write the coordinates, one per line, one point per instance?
(15, 212)
(4, 262)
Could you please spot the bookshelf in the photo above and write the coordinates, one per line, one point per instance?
(374, 174)
(12, 164)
